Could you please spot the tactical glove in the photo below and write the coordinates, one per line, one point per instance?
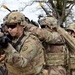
(3, 42)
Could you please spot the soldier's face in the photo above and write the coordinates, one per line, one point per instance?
(73, 34)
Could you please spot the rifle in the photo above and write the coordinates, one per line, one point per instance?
(2, 29)
(4, 6)
(5, 37)
(35, 23)
(47, 12)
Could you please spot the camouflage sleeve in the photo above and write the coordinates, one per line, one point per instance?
(47, 36)
(68, 38)
(42, 34)
(28, 51)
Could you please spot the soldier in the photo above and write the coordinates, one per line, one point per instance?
(70, 42)
(56, 51)
(24, 55)
(71, 30)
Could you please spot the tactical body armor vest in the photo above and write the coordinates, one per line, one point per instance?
(35, 65)
(56, 53)
(72, 61)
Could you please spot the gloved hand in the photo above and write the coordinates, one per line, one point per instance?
(3, 41)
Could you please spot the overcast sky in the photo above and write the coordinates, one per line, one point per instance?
(29, 11)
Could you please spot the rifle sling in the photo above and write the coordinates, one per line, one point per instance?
(18, 42)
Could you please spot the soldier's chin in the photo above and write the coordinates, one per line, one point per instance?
(12, 35)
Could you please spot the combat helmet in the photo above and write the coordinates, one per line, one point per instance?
(51, 22)
(71, 27)
(14, 17)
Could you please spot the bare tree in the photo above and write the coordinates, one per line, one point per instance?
(61, 9)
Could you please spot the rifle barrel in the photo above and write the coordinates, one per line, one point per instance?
(4, 6)
(47, 13)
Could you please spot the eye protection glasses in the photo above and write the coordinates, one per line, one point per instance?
(12, 26)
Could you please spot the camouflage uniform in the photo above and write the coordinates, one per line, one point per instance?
(27, 57)
(56, 52)
(71, 28)
(70, 42)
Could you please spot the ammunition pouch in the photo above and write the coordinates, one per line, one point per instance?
(56, 58)
(72, 62)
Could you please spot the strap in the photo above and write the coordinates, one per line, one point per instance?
(58, 44)
(18, 42)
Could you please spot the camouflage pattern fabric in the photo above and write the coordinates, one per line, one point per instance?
(30, 59)
(55, 50)
(71, 45)
(56, 55)
(50, 22)
(71, 27)
(72, 61)
(68, 38)
(14, 17)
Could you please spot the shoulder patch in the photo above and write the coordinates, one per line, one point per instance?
(25, 48)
